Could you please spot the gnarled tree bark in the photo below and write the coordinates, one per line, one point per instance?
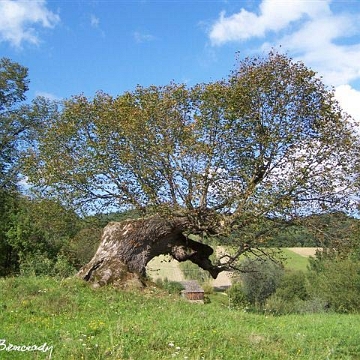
(126, 247)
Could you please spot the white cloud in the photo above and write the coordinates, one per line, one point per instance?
(19, 20)
(24, 182)
(309, 31)
(315, 44)
(349, 99)
(94, 21)
(47, 95)
(143, 37)
(274, 16)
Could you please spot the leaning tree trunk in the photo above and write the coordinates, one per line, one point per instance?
(126, 247)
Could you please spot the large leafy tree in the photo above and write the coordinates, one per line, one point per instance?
(18, 121)
(247, 155)
(13, 123)
(13, 85)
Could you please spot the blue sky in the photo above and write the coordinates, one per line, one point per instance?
(81, 46)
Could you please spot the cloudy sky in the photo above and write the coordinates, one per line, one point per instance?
(81, 46)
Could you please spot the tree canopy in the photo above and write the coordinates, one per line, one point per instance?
(13, 86)
(18, 120)
(270, 144)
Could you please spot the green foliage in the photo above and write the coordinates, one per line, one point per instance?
(332, 230)
(295, 236)
(35, 236)
(208, 287)
(292, 286)
(13, 122)
(331, 284)
(31, 232)
(260, 280)
(8, 257)
(291, 296)
(335, 271)
(13, 83)
(276, 305)
(337, 282)
(237, 297)
(100, 220)
(41, 237)
(38, 264)
(41, 226)
(83, 245)
(63, 268)
(335, 231)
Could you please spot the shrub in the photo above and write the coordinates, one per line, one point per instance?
(237, 297)
(39, 265)
(290, 296)
(260, 280)
(82, 247)
(292, 286)
(63, 268)
(277, 305)
(172, 287)
(36, 264)
(337, 282)
(208, 288)
(312, 306)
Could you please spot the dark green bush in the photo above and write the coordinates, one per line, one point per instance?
(237, 297)
(337, 282)
(260, 280)
(291, 295)
(39, 264)
(36, 264)
(292, 286)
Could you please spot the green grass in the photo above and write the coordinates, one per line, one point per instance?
(82, 323)
(295, 261)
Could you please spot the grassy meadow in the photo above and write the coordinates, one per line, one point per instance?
(78, 322)
(294, 261)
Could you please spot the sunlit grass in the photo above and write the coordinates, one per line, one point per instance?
(295, 261)
(82, 323)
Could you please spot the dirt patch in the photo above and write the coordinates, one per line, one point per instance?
(305, 251)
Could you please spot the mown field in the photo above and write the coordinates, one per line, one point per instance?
(77, 322)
